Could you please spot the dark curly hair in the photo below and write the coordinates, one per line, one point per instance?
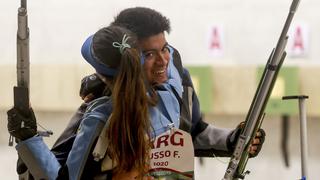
(142, 21)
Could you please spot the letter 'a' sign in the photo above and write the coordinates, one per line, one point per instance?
(172, 156)
(298, 43)
(215, 41)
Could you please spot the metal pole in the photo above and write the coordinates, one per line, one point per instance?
(303, 133)
(303, 138)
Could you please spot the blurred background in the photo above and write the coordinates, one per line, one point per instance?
(224, 44)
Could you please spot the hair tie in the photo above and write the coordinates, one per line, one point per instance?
(123, 44)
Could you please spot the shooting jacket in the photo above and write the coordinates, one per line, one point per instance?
(76, 161)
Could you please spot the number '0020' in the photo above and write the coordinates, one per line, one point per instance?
(165, 163)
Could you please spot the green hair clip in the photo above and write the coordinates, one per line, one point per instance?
(123, 44)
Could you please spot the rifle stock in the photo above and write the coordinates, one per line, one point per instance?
(254, 118)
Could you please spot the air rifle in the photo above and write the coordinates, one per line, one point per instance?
(254, 118)
(21, 94)
(21, 91)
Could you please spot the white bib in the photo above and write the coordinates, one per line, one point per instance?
(172, 156)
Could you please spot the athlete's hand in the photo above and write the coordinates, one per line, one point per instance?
(92, 87)
(22, 125)
(254, 147)
(257, 143)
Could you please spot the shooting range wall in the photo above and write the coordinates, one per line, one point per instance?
(222, 90)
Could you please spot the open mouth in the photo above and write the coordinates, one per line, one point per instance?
(159, 72)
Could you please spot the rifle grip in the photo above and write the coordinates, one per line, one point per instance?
(21, 98)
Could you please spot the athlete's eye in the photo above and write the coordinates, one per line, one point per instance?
(148, 55)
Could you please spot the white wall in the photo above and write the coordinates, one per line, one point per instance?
(251, 27)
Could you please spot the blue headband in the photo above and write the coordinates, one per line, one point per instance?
(88, 55)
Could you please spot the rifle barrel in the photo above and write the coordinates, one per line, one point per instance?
(279, 47)
(24, 4)
(23, 47)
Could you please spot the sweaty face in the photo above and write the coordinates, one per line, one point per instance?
(156, 53)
